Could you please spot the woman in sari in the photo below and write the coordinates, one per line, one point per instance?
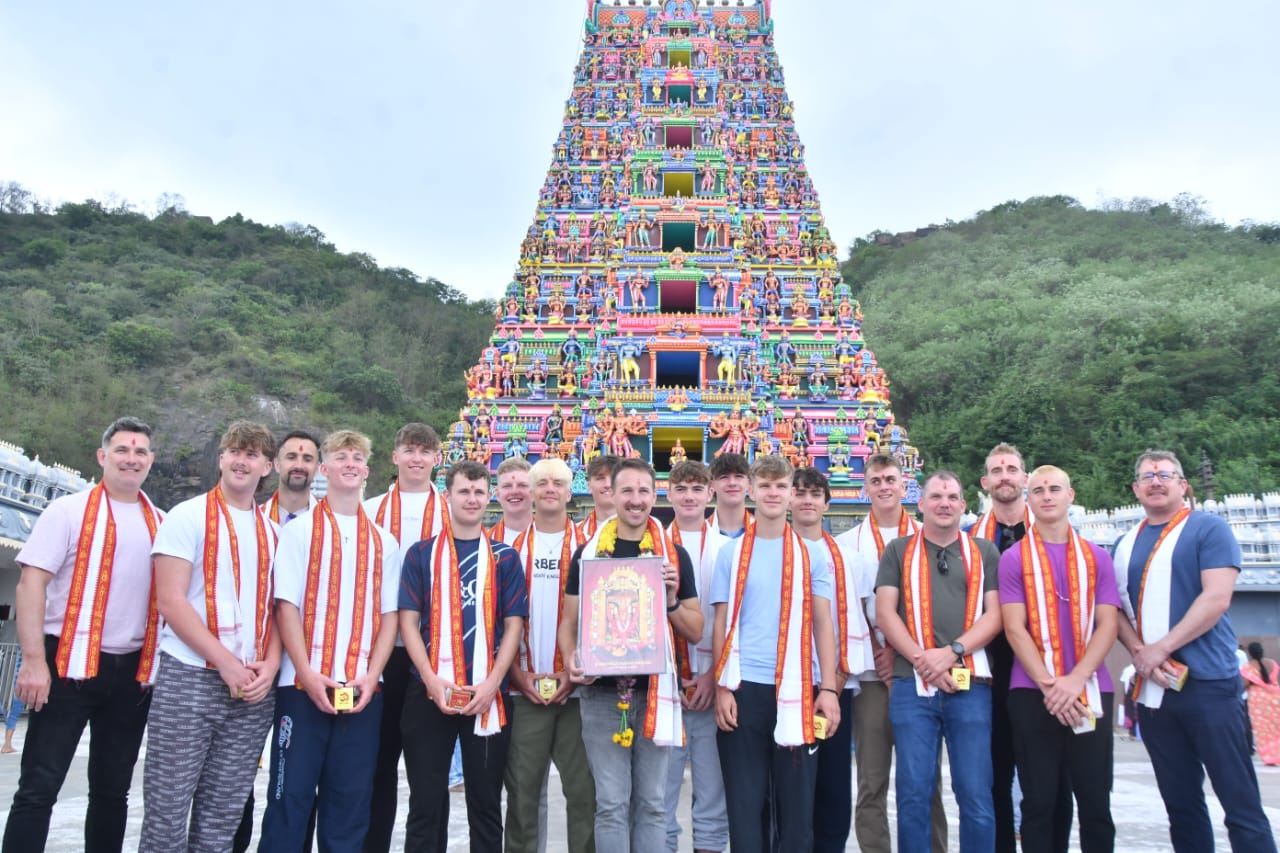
(1260, 675)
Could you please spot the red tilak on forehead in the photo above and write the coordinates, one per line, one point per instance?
(133, 442)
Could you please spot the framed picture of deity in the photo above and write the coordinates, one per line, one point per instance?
(622, 618)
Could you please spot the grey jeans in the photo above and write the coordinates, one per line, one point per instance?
(631, 783)
(708, 816)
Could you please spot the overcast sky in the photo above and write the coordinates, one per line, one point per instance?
(420, 132)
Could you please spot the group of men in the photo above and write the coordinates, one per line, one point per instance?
(353, 632)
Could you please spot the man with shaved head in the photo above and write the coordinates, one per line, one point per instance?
(1059, 603)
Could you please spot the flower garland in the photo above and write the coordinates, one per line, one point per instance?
(625, 736)
(609, 540)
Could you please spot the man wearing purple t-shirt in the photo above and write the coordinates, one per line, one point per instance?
(1059, 602)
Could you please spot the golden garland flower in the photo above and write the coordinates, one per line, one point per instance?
(608, 540)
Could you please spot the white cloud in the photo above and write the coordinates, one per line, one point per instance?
(421, 133)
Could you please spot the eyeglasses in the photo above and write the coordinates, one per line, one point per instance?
(943, 568)
(1162, 476)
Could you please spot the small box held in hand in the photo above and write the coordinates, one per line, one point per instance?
(458, 699)
(1177, 673)
(343, 698)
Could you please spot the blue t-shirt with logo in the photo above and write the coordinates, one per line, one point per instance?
(415, 591)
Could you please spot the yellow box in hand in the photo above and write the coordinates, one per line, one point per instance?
(344, 698)
(1177, 673)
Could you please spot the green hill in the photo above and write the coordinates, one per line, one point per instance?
(1083, 337)
(191, 324)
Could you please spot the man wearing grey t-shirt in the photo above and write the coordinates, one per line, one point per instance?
(938, 606)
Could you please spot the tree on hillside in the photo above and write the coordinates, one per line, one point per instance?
(1084, 337)
(191, 323)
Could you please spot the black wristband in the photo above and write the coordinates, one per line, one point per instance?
(830, 690)
(673, 608)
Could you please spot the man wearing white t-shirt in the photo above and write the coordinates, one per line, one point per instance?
(884, 486)
(689, 491)
(776, 670)
(833, 794)
(214, 691)
(546, 723)
(412, 510)
(337, 587)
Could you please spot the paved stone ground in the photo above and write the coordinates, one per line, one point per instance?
(1135, 804)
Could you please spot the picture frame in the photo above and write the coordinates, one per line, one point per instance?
(622, 620)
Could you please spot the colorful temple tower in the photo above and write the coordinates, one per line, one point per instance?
(678, 294)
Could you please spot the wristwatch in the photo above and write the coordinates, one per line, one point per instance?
(958, 650)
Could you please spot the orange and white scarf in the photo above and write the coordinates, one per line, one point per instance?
(1154, 589)
(793, 676)
(272, 506)
(854, 651)
(663, 721)
(526, 546)
(590, 525)
(223, 575)
(448, 660)
(689, 658)
(917, 598)
(1042, 597)
(499, 532)
(868, 546)
(388, 515)
(322, 600)
(82, 625)
(986, 527)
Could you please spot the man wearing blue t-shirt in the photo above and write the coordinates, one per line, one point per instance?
(1176, 572)
(460, 647)
(775, 651)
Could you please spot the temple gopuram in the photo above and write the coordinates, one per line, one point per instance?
(678, 294)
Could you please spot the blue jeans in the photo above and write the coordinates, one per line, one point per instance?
(1193, 731)
(15, 711)
(455, 765)
(919, 726)
(631, 783)
(320, 763)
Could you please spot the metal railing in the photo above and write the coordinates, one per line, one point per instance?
(8, 671)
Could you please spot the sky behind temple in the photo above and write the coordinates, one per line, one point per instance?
(420, 133)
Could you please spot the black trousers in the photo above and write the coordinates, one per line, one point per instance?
(429, 736)
(1000, 658)
(754, 766)
(833, 794)
(386, 776)
(114, 706)
(1047, 751)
